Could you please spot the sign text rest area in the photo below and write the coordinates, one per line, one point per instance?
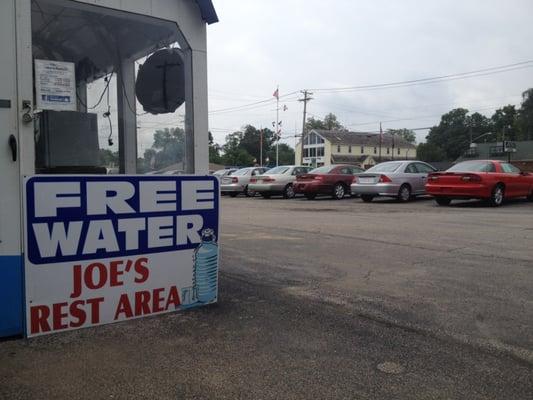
(101, 249)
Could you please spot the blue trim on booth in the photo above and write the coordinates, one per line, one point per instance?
(11, 296)
(208, 11)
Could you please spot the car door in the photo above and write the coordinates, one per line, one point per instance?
(347, 175)
(414, 178)
(514, 184)
(423, 171)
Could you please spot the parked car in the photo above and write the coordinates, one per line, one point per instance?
(277, 181)
(238, 181)
(224, 172)
(400, 179)
(334, 180)
(494, 181)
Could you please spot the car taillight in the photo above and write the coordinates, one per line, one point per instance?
(384, 179)
(253, 180)
(471, 178)
(268, 180)
(234, 180)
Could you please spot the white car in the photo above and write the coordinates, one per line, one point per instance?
(277, 181)
(238, 181)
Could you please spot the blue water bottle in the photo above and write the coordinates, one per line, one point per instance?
(206, 267)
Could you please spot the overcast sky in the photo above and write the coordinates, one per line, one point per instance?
(304, 44)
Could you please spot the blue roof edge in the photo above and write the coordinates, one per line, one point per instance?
(207, 9)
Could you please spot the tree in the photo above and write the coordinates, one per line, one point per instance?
(504, 120)
(285, 155)
(406, 134)
(251, 141)
(234, 154)
(108, 158)
(525, 116)
(168, 146)
(455, 130)
(429, 152)
(329, 123)
(214, 150)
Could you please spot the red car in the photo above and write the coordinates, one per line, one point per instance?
(494, 181)
(333, 180)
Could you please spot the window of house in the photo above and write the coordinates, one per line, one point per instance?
(398, 151)
(349, 149)
(388, 150)
(306, 152)
(362, 149)
(375, 150)
(313, 151)
(320, 152)
(338, 149)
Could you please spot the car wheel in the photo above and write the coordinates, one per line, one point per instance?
(233, 194)
(288, 192)
(310, 196)
(339, 191)
(497, 195)
(443, 201)
(265, 195)
(367, 198)
(248, 192)
(404, 194)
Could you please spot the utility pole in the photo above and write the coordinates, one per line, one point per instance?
(261, 146)
(306, 98)
(277, 126)
(380, 140)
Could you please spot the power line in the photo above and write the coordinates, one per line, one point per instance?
(460, 75)
(250, 105)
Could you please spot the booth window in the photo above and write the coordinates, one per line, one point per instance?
(109, 90)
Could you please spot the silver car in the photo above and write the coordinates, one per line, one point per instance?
(400, 179)
(238, 181)
(224, 172)
(277, 181)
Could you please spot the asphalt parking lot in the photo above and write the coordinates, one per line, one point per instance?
(322, 299)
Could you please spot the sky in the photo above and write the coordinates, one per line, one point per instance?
(312, 44)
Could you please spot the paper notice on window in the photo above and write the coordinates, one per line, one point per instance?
(55, 85)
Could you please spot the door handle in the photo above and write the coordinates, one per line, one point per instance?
(13, 146)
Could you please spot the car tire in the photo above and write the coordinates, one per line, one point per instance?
(249, 193)
(288, 192)
(404, 194)
(265, 195)
(497, 196)
(310, 196)
(367, 198)
(339, 191)
(443, 201)
(233, 194)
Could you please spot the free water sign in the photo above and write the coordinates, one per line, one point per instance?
(102, 249)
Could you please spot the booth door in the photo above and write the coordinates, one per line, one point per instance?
(11, 314)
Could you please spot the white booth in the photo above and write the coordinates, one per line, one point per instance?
(96, 98)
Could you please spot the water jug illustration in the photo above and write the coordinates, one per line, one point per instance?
(205, 277)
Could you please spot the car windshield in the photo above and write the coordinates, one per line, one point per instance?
(385, 167)
(241, 172)
(473, 166)
(322, 170)
(277, 170)
(220, 172)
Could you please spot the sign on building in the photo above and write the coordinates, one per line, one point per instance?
(102, 249)
(55, 85)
